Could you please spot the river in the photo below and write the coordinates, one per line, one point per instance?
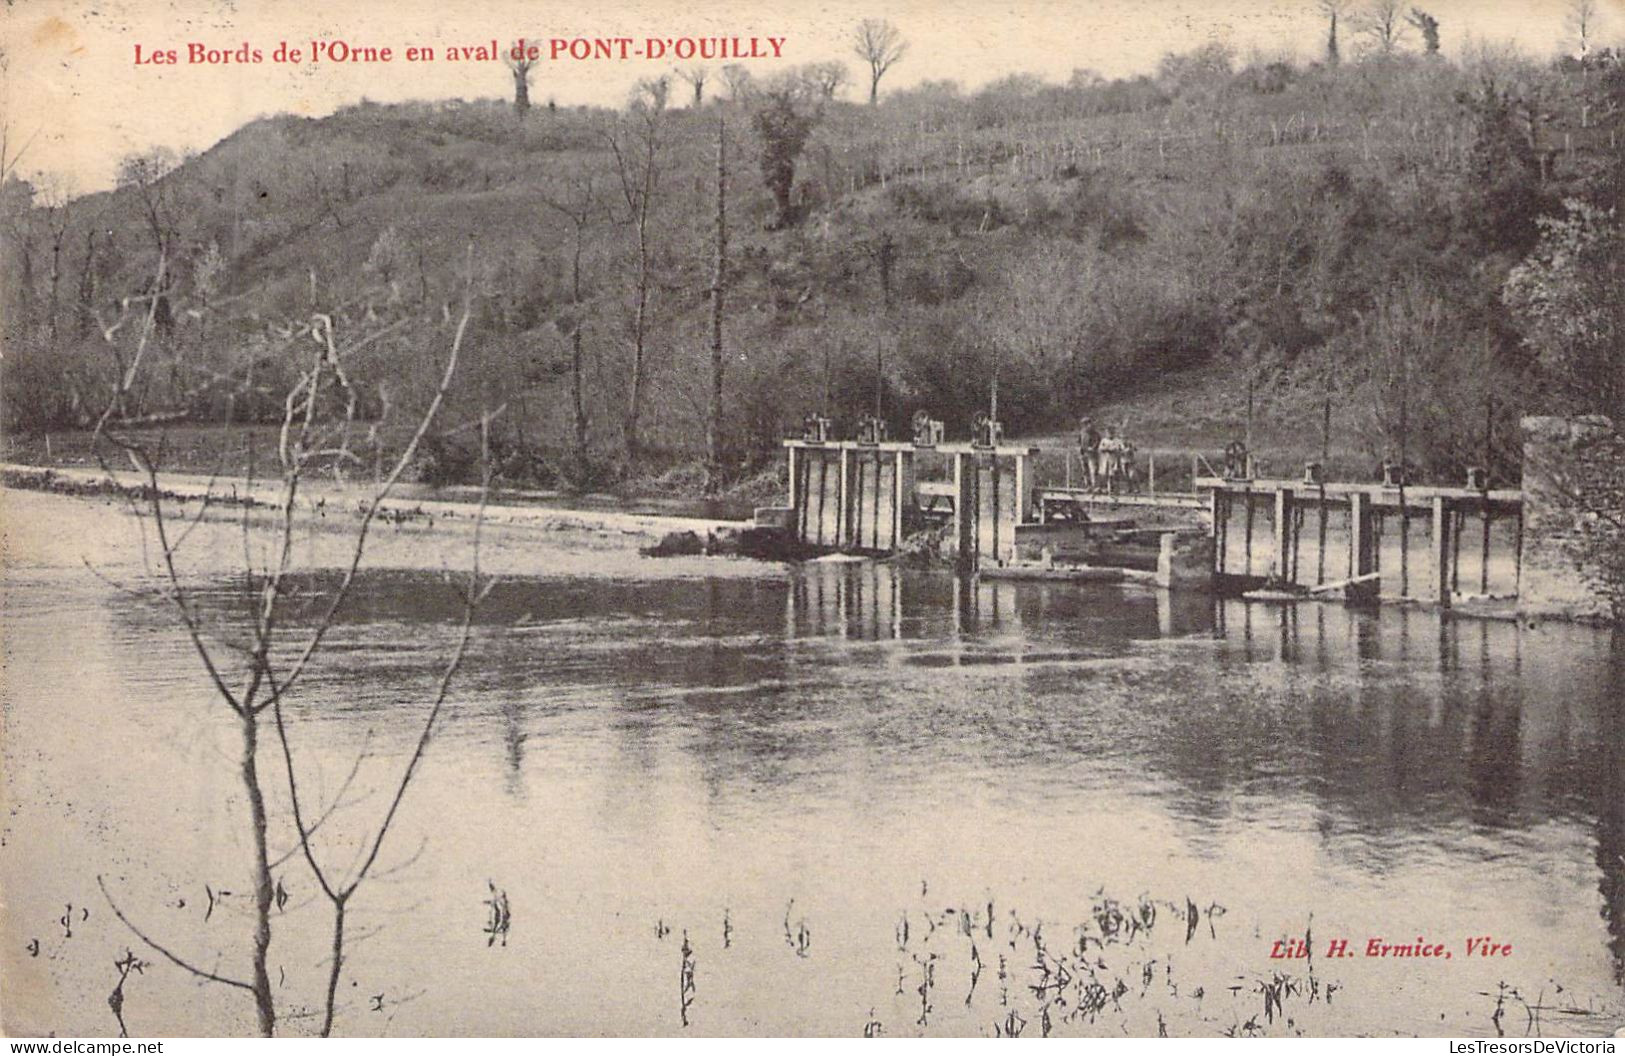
(839, 798)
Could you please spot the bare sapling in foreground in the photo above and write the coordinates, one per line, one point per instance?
(255, 666)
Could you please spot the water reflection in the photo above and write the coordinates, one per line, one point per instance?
(1385, 718)
(1393, 723)
(860, 720)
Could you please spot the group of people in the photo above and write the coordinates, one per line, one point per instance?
(1108, 458)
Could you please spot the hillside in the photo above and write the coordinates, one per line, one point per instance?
(1347, 230)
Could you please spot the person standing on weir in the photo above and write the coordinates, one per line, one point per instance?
(1089, 450)
(1111, 459)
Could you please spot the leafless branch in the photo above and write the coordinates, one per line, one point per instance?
(173, 958)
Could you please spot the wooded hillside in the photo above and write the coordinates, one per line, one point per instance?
(1432, 244)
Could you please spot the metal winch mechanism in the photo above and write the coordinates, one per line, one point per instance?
(870, 431)
(986, 431)
(928, 431)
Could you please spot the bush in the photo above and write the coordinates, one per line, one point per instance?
(949, 204)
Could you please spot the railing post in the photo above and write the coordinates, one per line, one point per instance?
(822, 460)
(900, 477)
(1247, 540)
(1360, 551)
(843, 521)
(1441, 550)
(1283, 535)
(965, 509)
(987, 505)
(1024, 497)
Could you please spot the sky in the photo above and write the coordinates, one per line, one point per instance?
(74, 95)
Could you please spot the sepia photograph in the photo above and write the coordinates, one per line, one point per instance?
(872, 519)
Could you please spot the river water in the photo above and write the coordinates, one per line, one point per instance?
(837, 798)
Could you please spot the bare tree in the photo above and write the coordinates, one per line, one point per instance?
(635, 145)
(738, 79)
(695, 77)
(1333, 10)
(580, 209)
(879, 44)
(520, 63)
(340, 890)
(1382, 23)
(17, 219)
(1581, 22)
(150, 176)
(85, 307)
(719, 282)
(827, 77)
(273, 661)
(58, 218)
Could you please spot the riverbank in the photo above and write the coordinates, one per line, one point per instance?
(407, 503)
(80, 520)
(226, 451)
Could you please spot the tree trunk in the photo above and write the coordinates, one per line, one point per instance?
(634, 398)
(521, 91)
(25, 291)
(56, 285)
(713, 425)
(263, 894)
(640, 322)
(334, 967)
(578, 396)
(87, 287)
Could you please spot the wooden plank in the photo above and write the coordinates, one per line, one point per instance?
(1416, 497)
(1167, 500)
(1343, 584)
(1079, 574)
(956, 448)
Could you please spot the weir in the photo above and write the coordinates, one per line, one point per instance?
(1493, 551)
(1432, 544)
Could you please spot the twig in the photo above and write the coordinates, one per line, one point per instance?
(171, 957)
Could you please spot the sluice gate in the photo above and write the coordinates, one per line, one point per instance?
(857, 496)
(1432, 544)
